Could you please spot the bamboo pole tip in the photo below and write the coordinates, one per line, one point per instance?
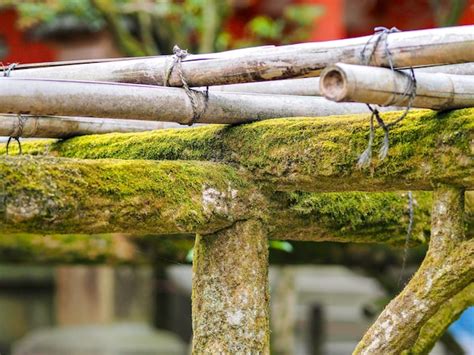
(333, 83)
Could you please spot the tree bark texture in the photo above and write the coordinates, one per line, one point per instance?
(230, 291)
(447, 269)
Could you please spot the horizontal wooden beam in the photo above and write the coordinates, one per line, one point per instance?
(313, 155)
(65, 196)
(48, 195)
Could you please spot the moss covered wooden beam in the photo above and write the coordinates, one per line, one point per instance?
(306, 154)
(50, 195)
(230, 291)
(446, 270)
(355, 217)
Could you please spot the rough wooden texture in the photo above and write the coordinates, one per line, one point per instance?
(439, 323)
(340, 217)
(356, 83)
(129, 101)
(65, 127)
(413, 48)
(446, 270)
(306, 154)
(101, 196)
(349, 217)
(230, 291)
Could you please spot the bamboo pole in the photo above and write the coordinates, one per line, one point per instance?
(412, 48)
(128, 101)
(347, 83)
(310, 86)
(64, 127)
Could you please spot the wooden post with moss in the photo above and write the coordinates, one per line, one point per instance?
(230, 291)
(236, 186)
(445, 271)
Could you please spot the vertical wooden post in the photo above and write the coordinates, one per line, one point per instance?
(230, 291)
(445, 271)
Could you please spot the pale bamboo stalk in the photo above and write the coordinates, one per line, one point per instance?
(413, 48)
(355, 83)
(310, 86)
(64, 127)
(129, 101)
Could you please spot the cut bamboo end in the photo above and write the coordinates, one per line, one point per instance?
(333, 84)
(384, 87)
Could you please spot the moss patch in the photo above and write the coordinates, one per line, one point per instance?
(312, 154)
(94, 196)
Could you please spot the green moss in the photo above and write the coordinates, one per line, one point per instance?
(315, 154)
(384, 216)
(437, 325)
(61, 195)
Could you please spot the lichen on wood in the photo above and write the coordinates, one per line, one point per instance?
(230, 291)
(306, 154)
(439, 323)
(446, 270)
(51, 195)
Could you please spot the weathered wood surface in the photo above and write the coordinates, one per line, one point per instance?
(306, 154)
(413, 48)
(230, 291)
(310, 86)
(46, 195)
(446, 270)
(50, 195)
(128, 101)
(437, 91)
(65, 127)
(447, 314)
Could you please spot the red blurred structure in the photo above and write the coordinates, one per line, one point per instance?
(341, 18)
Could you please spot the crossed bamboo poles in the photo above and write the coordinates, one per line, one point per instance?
(240, 86)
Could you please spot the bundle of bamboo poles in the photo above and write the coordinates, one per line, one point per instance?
(65, 99)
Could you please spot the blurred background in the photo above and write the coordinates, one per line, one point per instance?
(114, 294)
